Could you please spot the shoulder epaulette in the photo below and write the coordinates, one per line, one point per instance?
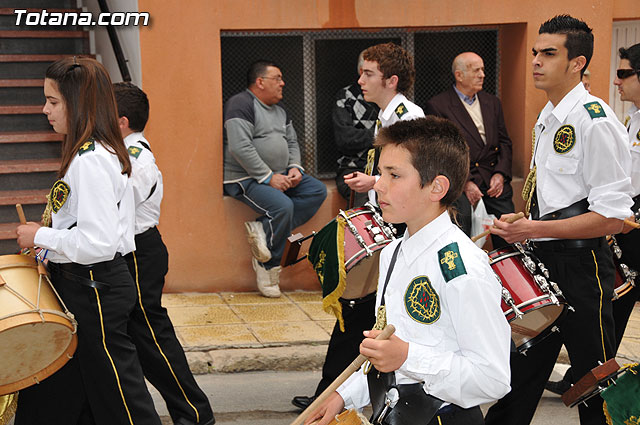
(134, 151)
(401, 110)
(450, 261)
(89, 145)
(595, 109)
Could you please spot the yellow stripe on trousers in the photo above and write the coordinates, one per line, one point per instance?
(104, 344)
(604, 352)
(153, 335)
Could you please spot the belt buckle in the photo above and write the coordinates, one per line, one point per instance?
(390, 401)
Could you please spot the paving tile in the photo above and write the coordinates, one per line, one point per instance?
(269, 333)
(202, 315)
(269, 313)
(251, 298)
(305, 296)
(209, 337)
(327, 325)
(315, 311)
(171, 300)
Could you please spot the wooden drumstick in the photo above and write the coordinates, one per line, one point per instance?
(23, 220)
(631, 223)
(508, 220)
(353, 367)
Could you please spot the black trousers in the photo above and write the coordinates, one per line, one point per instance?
(359, 316)
(103, 383)
(496, 206)
(161, 355)
(458, 416)
(622, 307)
(586, 279)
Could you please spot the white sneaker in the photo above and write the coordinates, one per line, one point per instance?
(266, 285)
(257, 241)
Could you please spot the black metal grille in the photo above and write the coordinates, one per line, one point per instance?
(316, 64)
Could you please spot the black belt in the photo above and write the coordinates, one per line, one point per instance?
(147, 233)
(77, 272)
(562, 244)
(355, 301)
(577, 208)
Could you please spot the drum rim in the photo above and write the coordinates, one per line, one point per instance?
(544, 333)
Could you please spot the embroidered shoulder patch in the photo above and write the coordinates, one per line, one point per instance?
(89, 145)
(401, 110)
(421, 301)
(59, 195)
(595, 109)
(134, 152)
(565, 139)
(451, 263)
(638, 135)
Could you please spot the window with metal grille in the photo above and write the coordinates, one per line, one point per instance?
(316, 64)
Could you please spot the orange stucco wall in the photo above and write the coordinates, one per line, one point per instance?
(182, 75)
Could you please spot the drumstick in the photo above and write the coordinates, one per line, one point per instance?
(508, 220)
(353, 367)
(631, 223)
(23, 220)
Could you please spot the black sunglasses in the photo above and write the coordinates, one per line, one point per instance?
(625, 73)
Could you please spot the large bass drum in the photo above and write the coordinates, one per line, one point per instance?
(37, 335)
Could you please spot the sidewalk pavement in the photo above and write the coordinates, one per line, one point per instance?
(239, 332)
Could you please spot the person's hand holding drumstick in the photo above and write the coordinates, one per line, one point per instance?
(507, 228)
(360, 182)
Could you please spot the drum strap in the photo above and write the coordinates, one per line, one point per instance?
(394, 257)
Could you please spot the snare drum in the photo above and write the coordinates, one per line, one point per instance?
(530, 301)
(37, 336)
(625, 276)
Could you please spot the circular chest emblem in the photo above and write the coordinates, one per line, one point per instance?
(565, 139)
(59, 195)
(421, 301)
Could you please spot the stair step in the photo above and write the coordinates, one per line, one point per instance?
(20, 109)
(44, 34)
(22, 83)
(8, 231)
(36, 58)
(29, 166)
(26, 197)
(30, 136)
(11, 10)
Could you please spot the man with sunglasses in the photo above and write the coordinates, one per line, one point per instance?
(628, 82)
(262, 168)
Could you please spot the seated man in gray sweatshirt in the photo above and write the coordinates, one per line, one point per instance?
(262, 169)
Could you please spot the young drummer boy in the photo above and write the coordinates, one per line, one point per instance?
(450, 351)
(150, 328)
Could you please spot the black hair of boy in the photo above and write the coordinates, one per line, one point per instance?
(632, 54)
(579, 36)
(133, 104)
(258, 69)
(436, 147)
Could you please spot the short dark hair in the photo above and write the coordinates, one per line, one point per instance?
(436, 147)
(393, 60)
(258, 69)
(133, 104)
(632, 54)
(579, 36)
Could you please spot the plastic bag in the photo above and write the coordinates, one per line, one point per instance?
(480, 221)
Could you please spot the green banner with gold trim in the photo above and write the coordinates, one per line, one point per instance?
(622, 400)
(326, 254)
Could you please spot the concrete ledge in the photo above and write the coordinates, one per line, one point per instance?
(290, 358)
